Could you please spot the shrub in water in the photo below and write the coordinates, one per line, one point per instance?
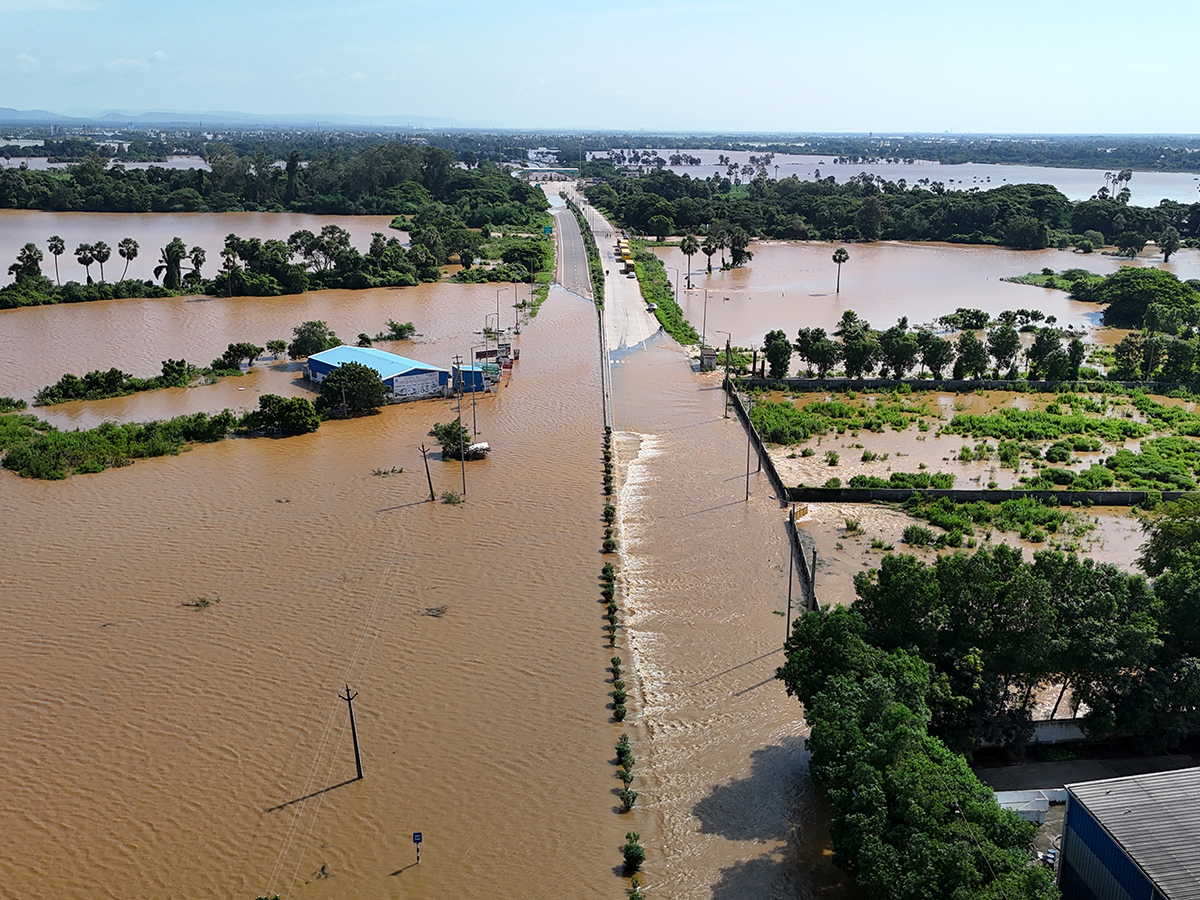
(610, 546)
(608, 573)
(917, 536)
(628, 798)
(619, 712)
(619, 696)
(633, 852)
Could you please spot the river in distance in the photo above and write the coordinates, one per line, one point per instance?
(1145, 188)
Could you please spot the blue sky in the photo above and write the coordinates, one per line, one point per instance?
(875, 65)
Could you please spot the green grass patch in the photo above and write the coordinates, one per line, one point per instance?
(656, 289)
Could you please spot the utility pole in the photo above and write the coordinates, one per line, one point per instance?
(462, 448)
(349, 698)
(428, 477)
(791, 567)
(728, 350)
(748, 436)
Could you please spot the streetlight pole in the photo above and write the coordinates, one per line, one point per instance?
(474, 391)
(728, 349)
(676, 271)
(498, 293)
(462, 447)
(704, 325)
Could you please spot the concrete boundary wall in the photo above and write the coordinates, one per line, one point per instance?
(899, 495)
(952, 385)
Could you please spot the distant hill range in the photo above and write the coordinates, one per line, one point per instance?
(214, 119)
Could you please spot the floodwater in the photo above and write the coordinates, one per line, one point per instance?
(793, 285)
(153, 231)
(1146, 188)
(151, 747)
(704, 578)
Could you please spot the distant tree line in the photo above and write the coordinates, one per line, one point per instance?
(868, 207)
(389, 178)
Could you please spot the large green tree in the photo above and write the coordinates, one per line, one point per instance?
(170, 264)
(312, 337)
(353, 388)
(28, 264)
(778, 351)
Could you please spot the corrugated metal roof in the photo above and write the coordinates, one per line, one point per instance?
(1156, 820)
(388, 365)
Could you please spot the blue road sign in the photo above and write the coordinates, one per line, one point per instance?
(416, 837)
(547, 229)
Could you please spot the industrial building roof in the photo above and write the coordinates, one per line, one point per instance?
(388, 365)
(1156, 820)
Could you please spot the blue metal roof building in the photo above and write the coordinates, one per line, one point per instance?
(406, 379)
(1133, 838)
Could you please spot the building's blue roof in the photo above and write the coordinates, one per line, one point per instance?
(388, 365)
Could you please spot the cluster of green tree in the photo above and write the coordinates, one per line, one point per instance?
(998, 629)
(351, 389)
(656, 289)
(1027, 216)
(514, 257)
(387, 178)
(73, 149)
(51, 454)
(98, 385)
(11, 404)
(310, 338)
(897, 350)
(595, 264)
(909, 820)
(943, 481)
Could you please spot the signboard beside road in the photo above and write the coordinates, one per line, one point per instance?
(547, 229)
(417, 841)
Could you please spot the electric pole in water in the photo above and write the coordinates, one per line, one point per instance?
(462, 448)
(349, 698)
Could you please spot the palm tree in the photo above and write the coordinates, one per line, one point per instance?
(840, 256)
(57, 249)
(708, 248)
(689, 247)
(102, 252)
(128, 250)
(198, 257)
(722, 241)
(169, 264)
(83, 253)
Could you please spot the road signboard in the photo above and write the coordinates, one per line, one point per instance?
(547, 229)
(416, 837)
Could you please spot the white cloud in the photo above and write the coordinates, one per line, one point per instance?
(355, 78)
(126, 63)
(27, 63)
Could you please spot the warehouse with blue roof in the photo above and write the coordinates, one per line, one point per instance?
(405, 379)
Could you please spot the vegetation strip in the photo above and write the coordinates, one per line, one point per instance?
(656, 289)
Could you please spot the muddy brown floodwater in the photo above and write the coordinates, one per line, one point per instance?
(792, 285)
(150, 747)
(704, 578)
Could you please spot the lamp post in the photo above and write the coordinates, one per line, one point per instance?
(728, 348)
(498, 293)
(676, 271)
(704, 324)
(474, 390)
